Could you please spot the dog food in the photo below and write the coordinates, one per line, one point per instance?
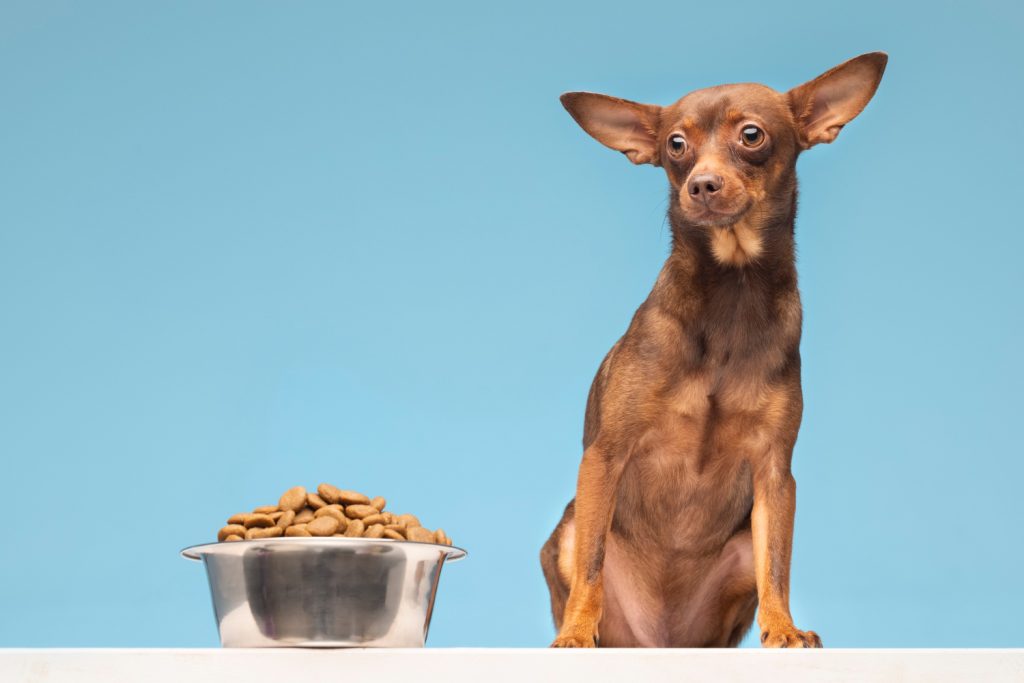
(329, 511)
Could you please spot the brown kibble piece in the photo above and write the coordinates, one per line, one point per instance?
(265, 532)
(332, 510)
(233, 537)
(314, 501)
(419, 534)
(440, 537)
(276, 515)
(230, 530)
(293, 499)
(239, 518)
(264, 509)
(374, 531)
(409, 520)
(330, 493)
(353, 498)
(397, 528)
(258, 521)
(370, 520)
(379, 502)
(304, 516)
(359, 511)
(393, 535)
(286, 519)
(355, 528)
(322, 526)
(297, 530)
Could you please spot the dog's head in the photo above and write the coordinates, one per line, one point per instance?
(730, 151)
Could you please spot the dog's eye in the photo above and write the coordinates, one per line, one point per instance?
(676, 144)
(751, 135)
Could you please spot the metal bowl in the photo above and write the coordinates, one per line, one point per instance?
(323, 592)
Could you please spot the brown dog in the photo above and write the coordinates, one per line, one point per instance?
(683, 518)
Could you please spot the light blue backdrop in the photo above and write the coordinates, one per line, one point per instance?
(245, 245)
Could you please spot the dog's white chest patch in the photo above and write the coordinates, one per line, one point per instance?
(736, 245)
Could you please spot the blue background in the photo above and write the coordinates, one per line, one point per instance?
(245, 245)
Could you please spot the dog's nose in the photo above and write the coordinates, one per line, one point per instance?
(703, 185)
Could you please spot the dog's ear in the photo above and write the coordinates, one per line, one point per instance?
(823, 106)
(629, 127)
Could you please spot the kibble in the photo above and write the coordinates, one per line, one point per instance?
(360, 511)
(331, 494)
(353, 498)
(329, 513)
(286, 519)
(263, 532)
(420, 535)
(322, 526)
(293, 499)
(258, 520)
(408, 520)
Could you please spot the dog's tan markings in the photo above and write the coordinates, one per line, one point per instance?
(567, 553)
(738, 244)
(690, 397)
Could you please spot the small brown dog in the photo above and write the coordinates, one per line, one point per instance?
(683, 518)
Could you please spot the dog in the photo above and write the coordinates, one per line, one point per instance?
(682, 524)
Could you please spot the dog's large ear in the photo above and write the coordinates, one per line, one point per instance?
(629, 127)
(823, 106)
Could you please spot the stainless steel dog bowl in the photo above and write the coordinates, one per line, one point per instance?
(323, 592)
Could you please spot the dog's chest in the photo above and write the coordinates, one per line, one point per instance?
(691, 466)
(670, 493)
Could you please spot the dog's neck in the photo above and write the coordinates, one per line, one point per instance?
(752, 259)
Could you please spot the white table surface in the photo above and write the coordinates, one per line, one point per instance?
(498, 665)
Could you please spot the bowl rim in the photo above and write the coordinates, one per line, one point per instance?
(197, 552)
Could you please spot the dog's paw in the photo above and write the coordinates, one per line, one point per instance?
(789, 636)
(574, 641)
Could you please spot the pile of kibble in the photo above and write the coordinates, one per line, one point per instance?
(328, 512)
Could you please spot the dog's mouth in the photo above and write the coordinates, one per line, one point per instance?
(704, 215)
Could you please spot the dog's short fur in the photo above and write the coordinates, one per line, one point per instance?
(683, 518)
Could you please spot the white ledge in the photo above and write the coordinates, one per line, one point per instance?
(499, 665)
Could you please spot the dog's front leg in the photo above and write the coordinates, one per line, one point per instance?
(595, 505)
(772, 526)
